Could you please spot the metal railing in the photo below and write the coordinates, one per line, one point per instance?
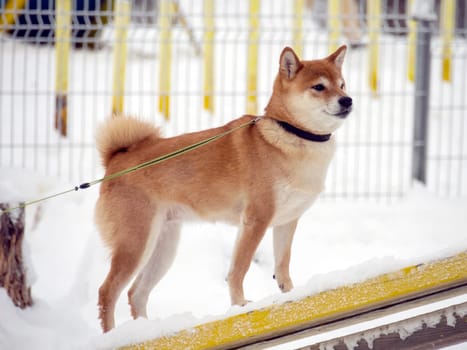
(212, 61)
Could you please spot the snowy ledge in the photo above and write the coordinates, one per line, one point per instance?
(287, 315)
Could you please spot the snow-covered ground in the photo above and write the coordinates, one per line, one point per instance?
(336, 243)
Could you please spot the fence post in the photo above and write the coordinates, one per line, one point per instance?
(208, 56)
(121, 21)
(422, 94)
(252, 58)
(62, 61)
(374, 28)
(166, 13)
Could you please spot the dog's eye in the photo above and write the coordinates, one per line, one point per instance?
(318, 87)
(342, 86)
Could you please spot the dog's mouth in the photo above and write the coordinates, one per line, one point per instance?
(342, 114)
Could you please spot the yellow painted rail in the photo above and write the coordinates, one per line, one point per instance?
(252, 59)
(166, 12)
(411, 41)
(9, 13)
(122, 19)
(297, 40)
(208, 51)
(374, 27)
(334, 14)
(277, 320)
(62, 57)
(448, 17)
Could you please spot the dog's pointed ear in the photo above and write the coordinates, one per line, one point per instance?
(338, 56)
(289, 63)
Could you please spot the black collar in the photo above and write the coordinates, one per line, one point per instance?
(304, 134)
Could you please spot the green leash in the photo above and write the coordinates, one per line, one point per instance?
(132, 169)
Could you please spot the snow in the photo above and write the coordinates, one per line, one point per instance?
(336, 243)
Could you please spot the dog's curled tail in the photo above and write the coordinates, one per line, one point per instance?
(119, 133)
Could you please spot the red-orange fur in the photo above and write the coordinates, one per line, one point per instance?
(256, 177)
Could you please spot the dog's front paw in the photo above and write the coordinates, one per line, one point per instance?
(285, 284)
(240, 302)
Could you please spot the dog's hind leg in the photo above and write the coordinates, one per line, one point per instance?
(159, 263)
(126, 227)
(122, 268)
(282, 239)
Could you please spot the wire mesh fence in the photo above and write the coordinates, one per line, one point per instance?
(190, 64)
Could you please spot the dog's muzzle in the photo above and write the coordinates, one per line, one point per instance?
(345, 102)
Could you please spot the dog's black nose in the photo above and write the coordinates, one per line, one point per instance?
(345, 101)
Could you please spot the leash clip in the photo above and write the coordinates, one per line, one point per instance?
(257, 119)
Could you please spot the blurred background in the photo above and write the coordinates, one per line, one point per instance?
(67, 65)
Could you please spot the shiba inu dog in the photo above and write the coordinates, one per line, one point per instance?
(263, 175)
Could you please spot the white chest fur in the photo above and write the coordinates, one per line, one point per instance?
(305, 180)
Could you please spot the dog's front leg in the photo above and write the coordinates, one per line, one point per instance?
(283, 236)
(254, 225)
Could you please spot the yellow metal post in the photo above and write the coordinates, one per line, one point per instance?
(165, 52)
(252, 58)
(333, 24)
(62, 56)
(122, 19)
(10, 12)
(297, 41)
(447, 29)
(374, 25)
(208, 53)
(412, 38)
